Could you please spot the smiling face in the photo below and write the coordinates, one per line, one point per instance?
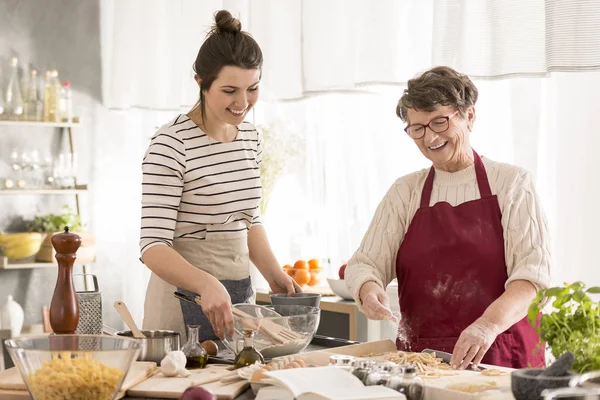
(449, 150)
(231, 95)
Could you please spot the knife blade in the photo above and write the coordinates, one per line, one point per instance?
(446, 357)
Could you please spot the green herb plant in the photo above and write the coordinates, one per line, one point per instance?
(572, 323)
(51, 223)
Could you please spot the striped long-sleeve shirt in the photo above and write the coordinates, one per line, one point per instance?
(197, 188)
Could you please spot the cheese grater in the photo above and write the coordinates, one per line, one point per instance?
(90, 307)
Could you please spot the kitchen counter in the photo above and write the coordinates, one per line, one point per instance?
(318, 343)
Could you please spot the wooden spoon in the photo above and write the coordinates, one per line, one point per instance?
(128, 319)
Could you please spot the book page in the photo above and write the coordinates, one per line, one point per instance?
(315, 380)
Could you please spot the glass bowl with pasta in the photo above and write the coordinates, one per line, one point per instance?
(57, 367)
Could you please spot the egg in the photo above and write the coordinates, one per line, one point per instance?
(211, 347)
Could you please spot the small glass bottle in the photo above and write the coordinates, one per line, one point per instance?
(407, 382)
(14, 100)
(51, 97)
(195, 354)
(33, 105)
(248, 355)
(361, 369)
(380, 374)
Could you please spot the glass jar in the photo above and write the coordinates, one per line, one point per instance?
(381, 373)
(406, 381)
(361, 369)
(196, 356)
(248, 355)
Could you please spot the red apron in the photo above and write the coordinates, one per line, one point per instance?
(450, 268)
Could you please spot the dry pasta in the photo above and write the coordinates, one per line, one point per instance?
(466, 387)
(80, 378)
(427, 364)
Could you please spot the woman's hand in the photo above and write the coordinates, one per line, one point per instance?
(216, 305)
(375, 302)
(283, 283)
(473, 343)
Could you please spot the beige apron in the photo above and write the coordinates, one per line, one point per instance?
(225, 259)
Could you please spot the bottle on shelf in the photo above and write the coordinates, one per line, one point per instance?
(33, 105)
(2, 114)
(14, 100)
(66, 103)
(51, 97)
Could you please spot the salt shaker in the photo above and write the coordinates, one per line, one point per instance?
(380, 374)
(406, 381)
(341, 361)
(361, 369)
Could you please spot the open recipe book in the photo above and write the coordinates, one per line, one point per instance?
(321, 383)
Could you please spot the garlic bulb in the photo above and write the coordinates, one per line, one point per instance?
(174, 364)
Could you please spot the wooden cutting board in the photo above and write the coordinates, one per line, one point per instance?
(438, 389)
(320, 358)
(12, 386)
(160, 386)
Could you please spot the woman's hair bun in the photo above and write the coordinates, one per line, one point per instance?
(225, 22)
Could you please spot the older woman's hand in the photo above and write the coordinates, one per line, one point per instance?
(473, 343)
(375, 302)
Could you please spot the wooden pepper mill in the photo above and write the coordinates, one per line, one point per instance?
(64, 308)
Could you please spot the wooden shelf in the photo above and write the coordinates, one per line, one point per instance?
(4, 264)
(41, 124)
(77, 190)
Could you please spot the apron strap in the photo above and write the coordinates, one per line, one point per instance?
(482, 178)
(427, 188)
(482, 182)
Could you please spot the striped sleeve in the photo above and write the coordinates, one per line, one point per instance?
(163, 170)
(259, 149)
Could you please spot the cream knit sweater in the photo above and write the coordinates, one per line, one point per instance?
(526, 241)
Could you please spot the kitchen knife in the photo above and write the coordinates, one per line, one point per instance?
(446, 357)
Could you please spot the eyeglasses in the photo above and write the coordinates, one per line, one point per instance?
(437, 125)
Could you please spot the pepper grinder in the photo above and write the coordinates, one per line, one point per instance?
(64, 308)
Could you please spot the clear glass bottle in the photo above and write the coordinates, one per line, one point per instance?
(14, 106)
(51, 97)
(33, 105)
(2, 113)
(195, 354)
(66, 103)
(248, 355)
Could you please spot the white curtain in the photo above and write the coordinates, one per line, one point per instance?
(149, 46)
(314, 46)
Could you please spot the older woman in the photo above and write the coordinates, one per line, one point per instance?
(467, 239)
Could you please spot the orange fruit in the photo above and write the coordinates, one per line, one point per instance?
(302, 276)
(314, 264)
(300, 264)
(288, 269)
(314, 278)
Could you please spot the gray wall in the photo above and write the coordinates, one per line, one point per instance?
(62, 35)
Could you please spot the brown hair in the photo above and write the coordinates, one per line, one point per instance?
(225, 45)
(440, 86)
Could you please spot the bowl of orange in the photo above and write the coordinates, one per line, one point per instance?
(305, 272)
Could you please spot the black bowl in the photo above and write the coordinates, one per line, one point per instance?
(526, 383)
